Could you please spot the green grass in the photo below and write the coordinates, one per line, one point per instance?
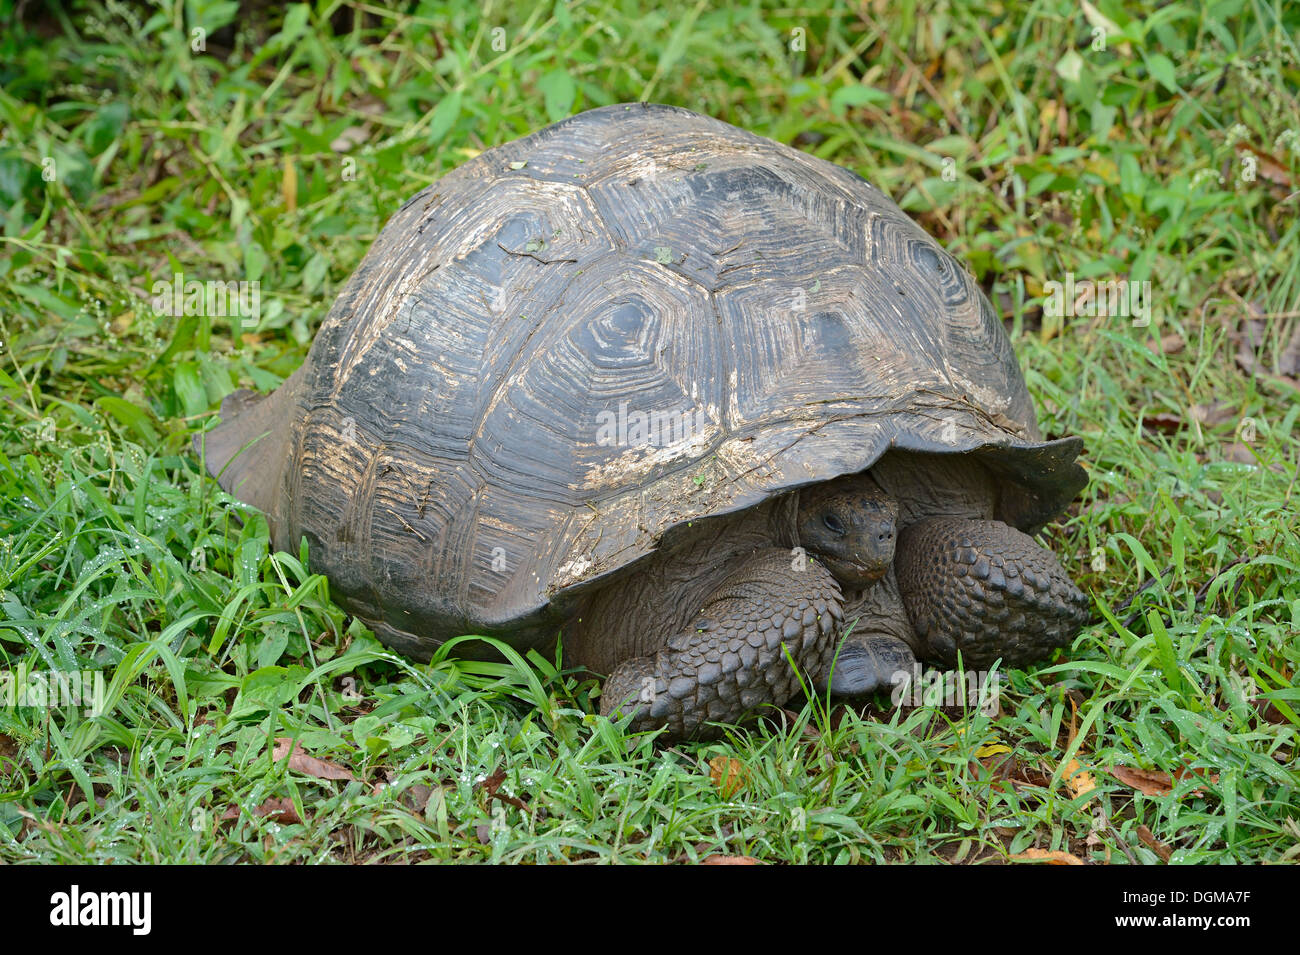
(1028, 152)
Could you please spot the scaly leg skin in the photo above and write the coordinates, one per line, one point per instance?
(733, 659)
(868, 663)
(878, 651)
(986, 589)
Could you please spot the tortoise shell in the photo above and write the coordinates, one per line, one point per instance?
(580, 347)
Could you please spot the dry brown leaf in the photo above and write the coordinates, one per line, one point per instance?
(1186, 771)
(1079, 779)
(1163, 422)
(1250, 338)
(492, 785)
(1155, 845)
(1170, 344)
(1017, 772)
(416, 798)
(278, 809)
(1152, 782)
(1051, 858)
(300, 762)
(1267, 167)
(729, 860)
(1266, 710)
(728, 775)
(352, 136)
(1239, 453)
(1288, 363)
(1212, 415)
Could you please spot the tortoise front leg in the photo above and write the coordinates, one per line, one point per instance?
(733, 658)
(987, 590)
(868, 663)
(877, 652)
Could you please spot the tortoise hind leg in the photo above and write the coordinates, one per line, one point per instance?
(248, 451)
(733, 658)
(987, 590)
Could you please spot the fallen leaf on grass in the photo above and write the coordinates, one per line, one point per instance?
(1044, 855)
(278, 809)
(1154, 782)
(728, 775)
(1170, 344)
(1150, 782)
(492, 784)
(352, 136)
(1163, 422)
(1155, 845)
(416, 798)
(1288, 363)
(1239, 453)
(1267, 166)
(1250, 339)
(1079, 779)
(1006, 767)
(729, 860)
(1188, 771)
(1267, 712)
(300, 762)
(1217, 413)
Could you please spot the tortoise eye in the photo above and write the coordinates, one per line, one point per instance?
(833, 524)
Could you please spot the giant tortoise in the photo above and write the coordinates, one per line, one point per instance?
(714, 410)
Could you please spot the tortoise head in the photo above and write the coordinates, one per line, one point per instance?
(849, 525)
